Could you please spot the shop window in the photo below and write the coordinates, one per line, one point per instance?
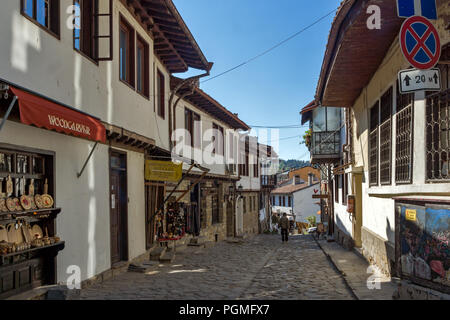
(85, 24)
(403, 137)
(45, 13)
(127, 54)
(160, 89)
(373, 145)
(385, 137)
(142, 67)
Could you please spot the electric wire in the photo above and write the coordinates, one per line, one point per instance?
(272, 48)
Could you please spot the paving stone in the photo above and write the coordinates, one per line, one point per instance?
(257, 268)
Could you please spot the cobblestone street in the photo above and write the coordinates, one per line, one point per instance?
(260, 268)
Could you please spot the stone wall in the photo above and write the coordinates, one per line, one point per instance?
(344, 239)
(208, 229)
(378, 251)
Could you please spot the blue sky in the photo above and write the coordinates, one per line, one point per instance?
(271, 90)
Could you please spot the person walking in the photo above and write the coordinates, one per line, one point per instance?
(284, 225)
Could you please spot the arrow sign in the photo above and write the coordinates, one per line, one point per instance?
(407, 80)
(418, 80)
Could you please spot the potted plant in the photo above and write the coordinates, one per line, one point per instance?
(307, 138)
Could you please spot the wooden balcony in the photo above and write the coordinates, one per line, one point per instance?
(325, 147)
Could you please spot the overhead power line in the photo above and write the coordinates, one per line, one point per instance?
(273, 47)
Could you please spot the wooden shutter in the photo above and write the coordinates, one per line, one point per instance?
(104, 30)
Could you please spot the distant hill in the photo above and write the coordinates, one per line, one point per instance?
(286, 165)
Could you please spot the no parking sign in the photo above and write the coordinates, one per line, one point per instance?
(420, 43)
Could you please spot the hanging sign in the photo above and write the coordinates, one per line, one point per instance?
(163, 171)
(418, 80)
(420, 43)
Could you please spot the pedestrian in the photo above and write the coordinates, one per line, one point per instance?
(284, 225)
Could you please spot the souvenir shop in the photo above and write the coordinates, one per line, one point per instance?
(29, 241)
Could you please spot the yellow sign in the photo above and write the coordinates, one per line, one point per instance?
(411, 215)
(163, 171)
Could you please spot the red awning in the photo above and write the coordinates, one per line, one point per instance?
(46, 114)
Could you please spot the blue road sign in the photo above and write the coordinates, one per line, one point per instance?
(424, 8)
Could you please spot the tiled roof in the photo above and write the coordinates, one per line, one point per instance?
(292, 188)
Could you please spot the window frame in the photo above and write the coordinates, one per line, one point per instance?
(385, 158)
(145, 68)
(402, 107)
(161, 92)
(130, 80)
(374, 136)
(94, 40)
(54, 15)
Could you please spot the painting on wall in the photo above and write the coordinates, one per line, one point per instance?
(424, 240)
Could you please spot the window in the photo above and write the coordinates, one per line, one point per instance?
(373, 144)
(45, 13)
(142, 67)
(192, 125)
(160, 89)
(284, 201)
(289, 202)
(215, 208)
(403, 137)
(126, 39)
(438, 137)
(86, 22)
(219, 147)
(244, 204)
(385, 137)
(344, 188)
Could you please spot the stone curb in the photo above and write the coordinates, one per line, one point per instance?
(342, 273)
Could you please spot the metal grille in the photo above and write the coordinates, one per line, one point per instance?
(326, 143)
(438, 136)
(403, 138)
(386, 137)
(385, 152)
(373, 158)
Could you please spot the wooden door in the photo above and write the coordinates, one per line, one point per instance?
(154, 199)
(118, 208)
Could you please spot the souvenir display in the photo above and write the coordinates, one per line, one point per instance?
(37, 232)
(38, 201)
(171, 224)
(31, 188)
(2, 195)
(25, 202)
(47, 201)
(3, 207)
(11, 204)
(18, 205)
(9, 187)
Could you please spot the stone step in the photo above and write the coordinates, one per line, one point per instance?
(167, 257)
(156, 253)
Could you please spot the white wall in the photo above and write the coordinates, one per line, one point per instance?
(304, 204)
(34, 59)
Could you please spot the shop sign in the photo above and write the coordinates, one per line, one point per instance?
(411, 215)
(163, 171)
